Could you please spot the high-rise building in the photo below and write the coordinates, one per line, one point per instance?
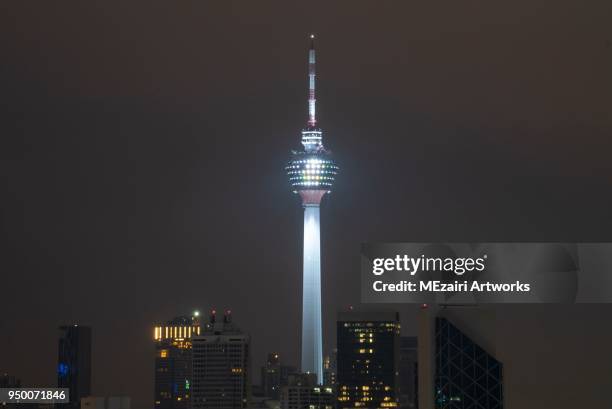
(303, 392)
(274, 375)
(456, 371)
(173, 361)
(221, 365)
(311, 174)
(74, 362)
(330, 369)
(466, 377)
(407, 372)
(368, 359)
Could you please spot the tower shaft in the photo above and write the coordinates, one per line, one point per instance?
(312, 337)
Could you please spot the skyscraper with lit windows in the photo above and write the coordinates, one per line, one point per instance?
(173, 356)
(311, 173)
(368, 359)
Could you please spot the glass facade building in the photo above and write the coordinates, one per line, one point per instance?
(466, 376)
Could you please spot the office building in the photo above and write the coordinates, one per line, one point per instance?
(221, 365)
(303, 392)
(173, 361)
(466, 377)
(368, 359)
(330, 369)
(455, 371)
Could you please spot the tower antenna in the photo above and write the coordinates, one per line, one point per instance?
(312, 101)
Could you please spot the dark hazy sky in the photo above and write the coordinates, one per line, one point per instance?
(142, 147)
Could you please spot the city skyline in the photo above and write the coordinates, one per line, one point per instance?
(142, 157)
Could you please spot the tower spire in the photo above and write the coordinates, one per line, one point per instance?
(312, 118)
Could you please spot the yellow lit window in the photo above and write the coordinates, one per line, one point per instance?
(163, 353)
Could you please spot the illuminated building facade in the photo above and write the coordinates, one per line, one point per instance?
(302, 392)
(368, 359)
(74, 362)
(173, 355)
(311, 173)
(221, 365)
(329, 369)
(274, 375)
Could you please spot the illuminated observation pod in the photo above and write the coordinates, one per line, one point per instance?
(312, 171)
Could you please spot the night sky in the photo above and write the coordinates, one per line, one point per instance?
(143, 145)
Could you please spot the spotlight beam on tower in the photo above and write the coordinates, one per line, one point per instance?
(311, 173)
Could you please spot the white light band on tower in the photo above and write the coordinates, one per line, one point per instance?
(312, 337)
(312, 118)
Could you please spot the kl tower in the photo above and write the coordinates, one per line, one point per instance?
(311, 174)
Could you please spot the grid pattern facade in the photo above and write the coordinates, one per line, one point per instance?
(220, 371)
(467, 377)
